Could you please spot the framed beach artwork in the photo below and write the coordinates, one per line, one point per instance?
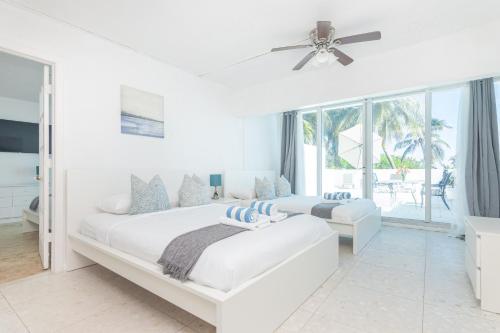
(142, 113)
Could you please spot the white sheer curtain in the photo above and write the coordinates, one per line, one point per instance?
(461, 209)
(300, 171)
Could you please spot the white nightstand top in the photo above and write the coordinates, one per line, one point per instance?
(232, 201)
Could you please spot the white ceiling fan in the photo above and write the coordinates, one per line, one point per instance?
(322, 39)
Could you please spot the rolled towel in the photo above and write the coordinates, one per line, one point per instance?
(337, 195)
(248, 215)
(262, 222)
(278, 217)
(265, 208)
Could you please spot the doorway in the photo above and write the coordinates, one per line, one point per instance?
(26, 207)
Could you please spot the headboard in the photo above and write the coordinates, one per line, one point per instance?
(236, 180)
(85, 188)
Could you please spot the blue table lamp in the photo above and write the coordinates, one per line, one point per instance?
(215, 180)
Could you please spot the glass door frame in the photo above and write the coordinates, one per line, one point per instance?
(367, 124)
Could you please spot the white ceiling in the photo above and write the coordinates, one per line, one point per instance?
(207, 36)
(20, 78)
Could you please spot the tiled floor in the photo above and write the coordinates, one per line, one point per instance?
(18, 252)
(404, 281)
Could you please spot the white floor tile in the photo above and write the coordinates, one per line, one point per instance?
(371, 311)
(405, 280)
(9, 321)
(392, 282)
(446, 319)
(129, 317)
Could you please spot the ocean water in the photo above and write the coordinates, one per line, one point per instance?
(142, 126)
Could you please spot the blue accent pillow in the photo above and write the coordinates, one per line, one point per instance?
(283, 187)
(148, 197)
(264, 188)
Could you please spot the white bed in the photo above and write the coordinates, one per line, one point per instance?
(360, 219)
(224, 265)
(258, 298)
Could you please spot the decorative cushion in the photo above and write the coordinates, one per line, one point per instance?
(148, 198)
(283, 187)
(193, 192)
(264, 189)
(116, 204)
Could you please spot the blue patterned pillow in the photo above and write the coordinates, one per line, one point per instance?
(283, 187)
(148, 198)
(264, 188)
(193, 192)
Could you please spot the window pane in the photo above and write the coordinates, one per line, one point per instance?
(309, 123)
(343, 150)
(398, 155)
(444, 124)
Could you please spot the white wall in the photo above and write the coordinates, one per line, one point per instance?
(465, 55)
(89, 72)
(201, 133)
(18, 168)
(261, 143)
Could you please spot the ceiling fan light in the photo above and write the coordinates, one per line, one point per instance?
(322, 56)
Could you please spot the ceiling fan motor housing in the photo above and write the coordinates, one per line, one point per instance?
(321, 42)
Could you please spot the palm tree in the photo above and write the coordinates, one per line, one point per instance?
(391, 118)
(415, 139)
(334, 122)
(309, 127)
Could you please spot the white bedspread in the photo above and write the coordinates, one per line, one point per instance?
(225, 264)
(350, 211)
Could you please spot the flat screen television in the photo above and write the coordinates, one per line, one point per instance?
(18, 137)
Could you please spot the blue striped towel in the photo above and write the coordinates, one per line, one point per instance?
(337, 195)
(265, 208)
(248, 215)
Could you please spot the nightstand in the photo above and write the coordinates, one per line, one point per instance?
(227, 201)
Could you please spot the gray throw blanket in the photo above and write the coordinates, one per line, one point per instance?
(324, 209)
(180, 256)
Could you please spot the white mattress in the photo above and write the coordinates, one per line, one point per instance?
(223, 265)
(349, 212)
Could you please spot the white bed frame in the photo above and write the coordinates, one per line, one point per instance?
(259, 305)
(361, 231)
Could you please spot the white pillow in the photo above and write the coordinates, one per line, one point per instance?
(118, 204)
(244, 194)
(193, 192)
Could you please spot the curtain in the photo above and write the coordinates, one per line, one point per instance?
(482, 164)
(289, 147)
(461, 207)
(300, 182)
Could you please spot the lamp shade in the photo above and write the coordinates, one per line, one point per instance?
(216, 180)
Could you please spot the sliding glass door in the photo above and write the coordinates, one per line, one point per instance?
(377, 148)
(343, 148)
(446, 110)
(398, 141)
(309, 153)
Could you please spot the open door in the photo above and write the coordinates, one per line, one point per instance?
(44, 211)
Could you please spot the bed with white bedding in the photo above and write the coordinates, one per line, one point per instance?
(250, 283)
(223, 265)
(356, 218)
(348, 212)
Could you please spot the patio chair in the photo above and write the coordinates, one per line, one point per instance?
(439, 189)
(347, 180)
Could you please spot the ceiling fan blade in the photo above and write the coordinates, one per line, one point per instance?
(343, 58)
(323, 29)
(304, 61)
(291, 47)
(374, 35)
